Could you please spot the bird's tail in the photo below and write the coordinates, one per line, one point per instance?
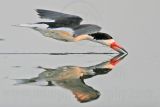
(25, 81)
(32, 25)
(25, 25)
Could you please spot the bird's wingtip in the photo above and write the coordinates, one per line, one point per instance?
(37, 10)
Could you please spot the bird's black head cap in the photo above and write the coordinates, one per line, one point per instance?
(101, 36)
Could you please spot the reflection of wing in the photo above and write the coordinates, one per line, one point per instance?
(82, 92)
(86, 29)
(59, 17)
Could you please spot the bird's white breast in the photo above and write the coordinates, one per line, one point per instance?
(60, 34)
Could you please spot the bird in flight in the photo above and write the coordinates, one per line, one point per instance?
(72, 78)
(68, 28)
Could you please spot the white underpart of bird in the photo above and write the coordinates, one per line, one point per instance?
(68, 28)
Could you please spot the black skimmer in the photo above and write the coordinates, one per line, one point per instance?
(72, 78)
(66, 27)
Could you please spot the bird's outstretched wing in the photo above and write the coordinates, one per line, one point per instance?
(86, 29)
(82, 92)
(59, 17)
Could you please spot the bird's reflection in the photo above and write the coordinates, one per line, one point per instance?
(72, 78)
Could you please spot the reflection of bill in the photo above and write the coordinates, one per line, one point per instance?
(72, 78)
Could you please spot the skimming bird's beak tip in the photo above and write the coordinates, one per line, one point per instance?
(115, 46)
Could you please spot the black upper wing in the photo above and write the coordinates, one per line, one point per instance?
(59, 17)
(86, 29)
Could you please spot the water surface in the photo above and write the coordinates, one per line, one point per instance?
(132, 83)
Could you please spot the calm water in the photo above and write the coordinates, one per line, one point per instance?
(62, 70)
(68, 76)
(132, 83)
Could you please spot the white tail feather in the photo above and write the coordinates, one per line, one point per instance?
(22, 81)
(25, 81)
(32, 25)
